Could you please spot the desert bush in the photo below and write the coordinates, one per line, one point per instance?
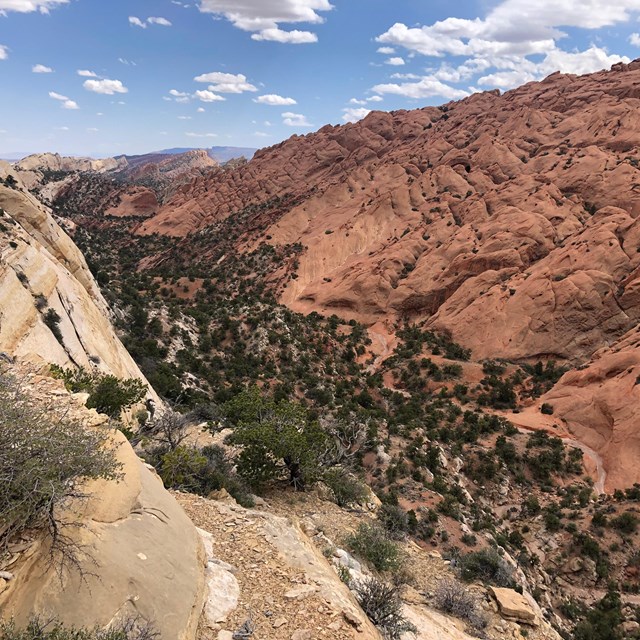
(107, 394)
(454, 598)
(383, 606)
(345, 488)
(394, 519)
(372, 543)
(111, 395)
(276, 437)
(44, 458)
(199, 471)
(626, 522)
(486, 565)
(53, 630)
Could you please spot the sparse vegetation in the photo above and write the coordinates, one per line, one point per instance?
(382, 604)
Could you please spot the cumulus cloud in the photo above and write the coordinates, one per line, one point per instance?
(178, 96)
(386, 50)
(40, 68)
(66, 103)
(137, 22)
(517, 41)
(275, 100)
(295, 120)
(105, 86)
(395, 62)
(427, 87)
(352, 114)
(27, 6)
(286, 37)
(634, 39)
(226, 82)
(85, 73)
(263, 18)
(208, 96)
(4, 52)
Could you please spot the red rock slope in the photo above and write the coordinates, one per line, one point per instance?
(507, 221)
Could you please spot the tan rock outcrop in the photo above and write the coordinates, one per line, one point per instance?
(140, 556)
(42, 269)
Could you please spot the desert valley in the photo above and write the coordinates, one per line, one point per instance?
(375, 381)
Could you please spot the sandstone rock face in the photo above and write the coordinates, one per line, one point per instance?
(142, 557)
(55, 162)
(41, 269)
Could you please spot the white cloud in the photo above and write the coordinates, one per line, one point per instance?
(386, 50)
(185, 118)
(85, 73)
(356, 101)
(374, 99)
(498, 46)
(226, 82)
(264, 17)
(191, 134)
(275, 100)
(286, 37)
(92, 129)
(106, 87)
(67, 103)
(27, 6)
(208, 96)
(295, 120)
(354, 114)
(4, 52)
(405, 76)
(634, 39)
(427, 87)
(200, 109)
(163, 22)
(126, 62)
(262, 134)
(395, 62)
(40, 68)
(62, 128)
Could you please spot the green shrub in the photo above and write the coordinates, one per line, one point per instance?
(372, 543)
(345, 489)
(383, 606)
(107, 394)
(111, 395)
(275, 435)
(394, 519)
(626, 522)
(486, 565)
(44, 458)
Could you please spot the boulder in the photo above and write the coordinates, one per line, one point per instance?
(514, 606)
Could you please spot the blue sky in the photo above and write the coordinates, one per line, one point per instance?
(104, 78)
